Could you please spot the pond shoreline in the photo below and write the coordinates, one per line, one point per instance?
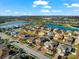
(21, 23)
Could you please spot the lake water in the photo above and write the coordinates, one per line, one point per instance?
(62, 27)
(21, 23)
(76, 26)
(14, 24)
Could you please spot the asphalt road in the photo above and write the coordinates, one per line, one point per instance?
(24, 46)
(28, 50)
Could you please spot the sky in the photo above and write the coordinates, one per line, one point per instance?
(38, 7)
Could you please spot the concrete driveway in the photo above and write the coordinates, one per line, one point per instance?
(24, 46)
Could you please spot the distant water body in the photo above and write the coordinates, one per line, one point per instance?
(14, 24)
(62, 27)
(76, 26)
(21, 23)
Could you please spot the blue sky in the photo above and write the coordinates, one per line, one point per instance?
(38, 7)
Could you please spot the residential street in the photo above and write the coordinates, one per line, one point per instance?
(40, 56)
(24, 46)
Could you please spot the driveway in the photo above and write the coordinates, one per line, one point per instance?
(24, 46)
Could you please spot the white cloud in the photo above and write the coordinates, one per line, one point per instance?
(76, 10)
(47, 6)
(11, 12)
(66, 4)
(34, 5)
(40, 2)
(27, 14)
(72, 5)
(43, 10)
(7, 11)
(75, 5)
(16, 12)
(46, 10)
(56, 11)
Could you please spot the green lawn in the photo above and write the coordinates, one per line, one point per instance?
(31, 46)
(71, 57)
(76, 46)
(48, 55)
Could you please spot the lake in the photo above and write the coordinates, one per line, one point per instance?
(14, 24)
(61, 27)
(21, 23)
